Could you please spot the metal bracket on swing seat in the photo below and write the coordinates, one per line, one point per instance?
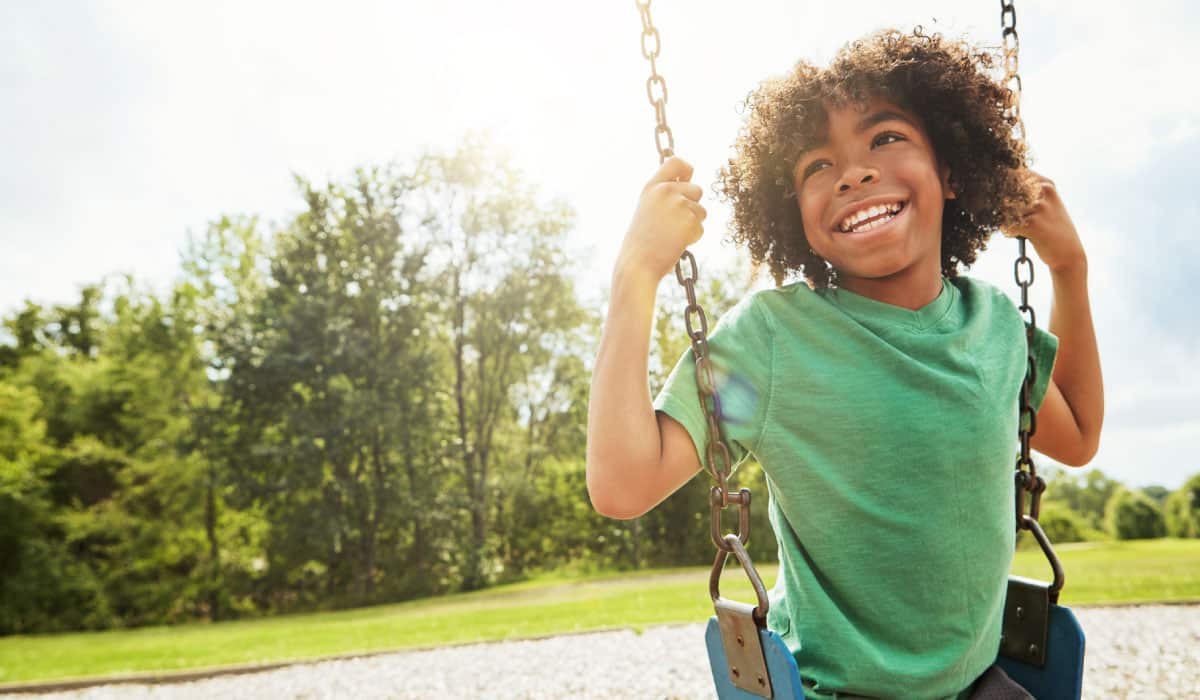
(743, 648)
(1027, 607)
(1026, 620)
(740, 623)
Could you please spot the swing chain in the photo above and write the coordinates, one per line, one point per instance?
(656, 86)
(1026, 476)
(718, 460)
(1012, 78)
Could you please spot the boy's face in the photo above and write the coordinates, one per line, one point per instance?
(871, 197)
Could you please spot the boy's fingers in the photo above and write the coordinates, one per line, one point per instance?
(700, 212)
(688, 189)
(673, 169)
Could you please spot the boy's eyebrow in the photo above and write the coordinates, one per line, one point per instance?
(867, 122)
(881, 116)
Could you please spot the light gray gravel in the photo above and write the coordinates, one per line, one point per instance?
(1133, 652)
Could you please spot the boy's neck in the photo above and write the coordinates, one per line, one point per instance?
(909, 291)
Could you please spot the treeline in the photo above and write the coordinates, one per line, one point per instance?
(381, 398)
(1091, 506)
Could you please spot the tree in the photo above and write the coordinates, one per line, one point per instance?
(1130, 515)
(1060, 524)
(110, 416)
(225, 278)
(1182, 510)
(1086, 495)
(335, 386)
(509, 306)
(1156, 493)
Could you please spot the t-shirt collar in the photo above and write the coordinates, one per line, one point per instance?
(867, 309)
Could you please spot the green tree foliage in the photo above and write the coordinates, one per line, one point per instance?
(110, 411)
(225, 279)
(1182, 510)
(1085, 495)
(514, 327)
(1130, 515)
(1061, 524)
(383, 396)
(1156, 493)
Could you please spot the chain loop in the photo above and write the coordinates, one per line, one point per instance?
(1027, 280)
(690, 259)
(661, 99)
(718, 501)
(696, 311)
(647, 53)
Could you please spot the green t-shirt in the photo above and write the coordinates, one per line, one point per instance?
(888, 438)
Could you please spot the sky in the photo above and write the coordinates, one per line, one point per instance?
(129, 125)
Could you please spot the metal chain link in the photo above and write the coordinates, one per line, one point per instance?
(1026, 476)
(718, 460)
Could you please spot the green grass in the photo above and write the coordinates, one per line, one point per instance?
(1106, 573)
(1097, 573)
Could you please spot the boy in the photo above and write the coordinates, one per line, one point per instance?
(880, 398)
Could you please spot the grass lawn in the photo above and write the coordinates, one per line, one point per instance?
(1097, 573)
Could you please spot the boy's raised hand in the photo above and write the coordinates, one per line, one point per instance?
(668, 219)
(1048, 226)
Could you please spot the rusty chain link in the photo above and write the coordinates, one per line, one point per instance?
(718, 460)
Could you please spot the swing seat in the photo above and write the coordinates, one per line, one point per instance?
(781, 666)
(1060, 679)
(1062, 676)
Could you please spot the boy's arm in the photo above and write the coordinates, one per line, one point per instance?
(1072, 413)
(1069, 421)
(635, 457)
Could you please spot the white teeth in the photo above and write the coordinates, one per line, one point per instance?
(851, 223)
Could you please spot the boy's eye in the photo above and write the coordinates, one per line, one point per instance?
(886, 138)
(815, 166)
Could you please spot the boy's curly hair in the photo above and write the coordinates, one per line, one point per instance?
(945, 83)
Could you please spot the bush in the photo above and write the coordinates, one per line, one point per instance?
(1062, 525)
(1183, 510)
(1133, 516)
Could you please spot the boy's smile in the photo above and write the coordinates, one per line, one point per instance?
(871, 199)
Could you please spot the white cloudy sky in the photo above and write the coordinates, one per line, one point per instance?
(125, 125)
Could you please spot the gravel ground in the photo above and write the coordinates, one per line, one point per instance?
(1133, 652)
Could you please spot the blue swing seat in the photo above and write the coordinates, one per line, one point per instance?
(1060, 679)
(781, 666)
(1062, 676)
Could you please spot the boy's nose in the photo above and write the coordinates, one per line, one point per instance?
(856, 176)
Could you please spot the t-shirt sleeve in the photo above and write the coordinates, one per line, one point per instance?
(741, 348)
(1045, 349)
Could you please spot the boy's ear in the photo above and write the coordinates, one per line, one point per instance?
(949, 186)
